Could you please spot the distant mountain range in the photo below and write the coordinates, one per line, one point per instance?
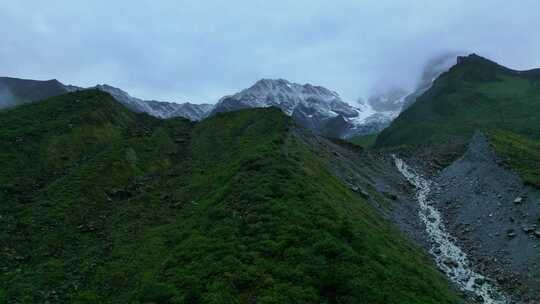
(15, 91)
(314, 107)
(159, 109)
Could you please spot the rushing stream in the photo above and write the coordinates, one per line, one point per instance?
(448, 256)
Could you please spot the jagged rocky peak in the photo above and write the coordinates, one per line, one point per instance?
(284, 86)
(314, 107)
(276, 92)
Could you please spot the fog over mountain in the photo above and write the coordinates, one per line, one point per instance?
(199, 51)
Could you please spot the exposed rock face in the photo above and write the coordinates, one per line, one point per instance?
(314, 107)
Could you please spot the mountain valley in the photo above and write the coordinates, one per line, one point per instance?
(280, 193)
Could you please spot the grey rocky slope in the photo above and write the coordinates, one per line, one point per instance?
(314, 107)
(491, 215)
(494, 216)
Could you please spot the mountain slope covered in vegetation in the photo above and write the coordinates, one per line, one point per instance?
(475, 94)
(103, 205)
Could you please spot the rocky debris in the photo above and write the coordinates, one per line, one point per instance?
(480, 194)
(479, 281)
(529, 228)
(537, 233)
(451, 263)
(479, 299)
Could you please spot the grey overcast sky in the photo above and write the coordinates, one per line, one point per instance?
(201, 50)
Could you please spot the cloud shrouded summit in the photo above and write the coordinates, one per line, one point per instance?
(201, 50)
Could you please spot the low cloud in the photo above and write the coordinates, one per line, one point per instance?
(6, 97)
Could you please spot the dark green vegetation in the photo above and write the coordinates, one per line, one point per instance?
(521, 153)
(364, 141)
(14, 91)
(102, 205)
(475, 94)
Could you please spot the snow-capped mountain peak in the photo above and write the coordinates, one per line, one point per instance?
(275, 92)
(315, 107)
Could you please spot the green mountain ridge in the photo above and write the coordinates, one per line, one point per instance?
(103, 205)
(475, 94)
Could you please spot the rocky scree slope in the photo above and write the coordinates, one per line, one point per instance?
(494, 216)
(488, 197)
